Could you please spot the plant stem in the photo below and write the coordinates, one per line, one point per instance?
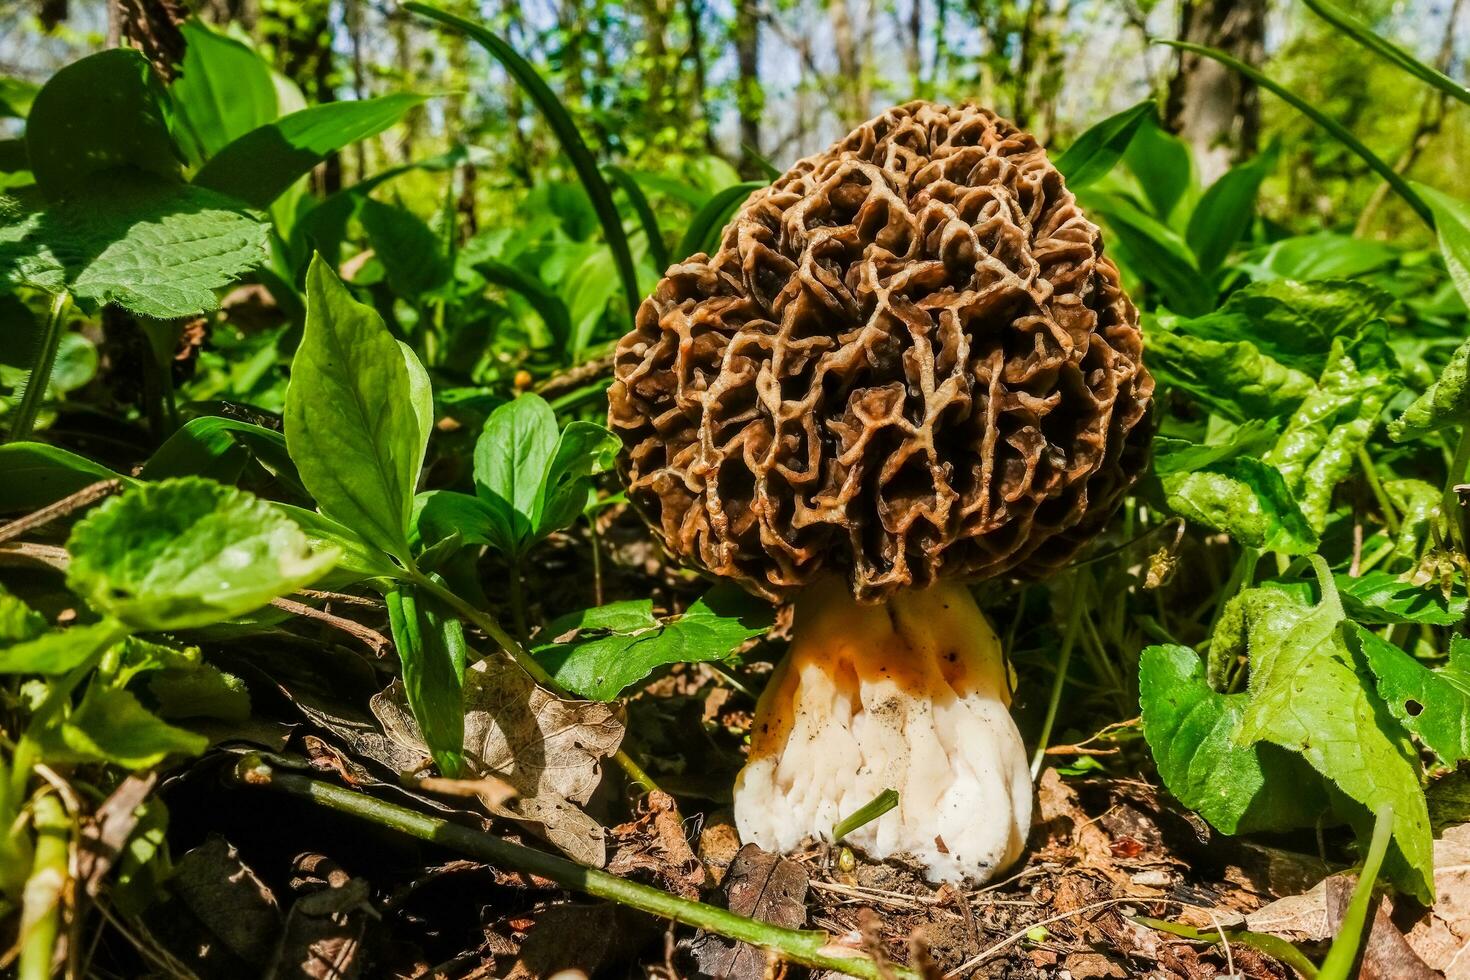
(528, 663)
(41, 915)
(1069, 638)
(518, 601)
(40, 377)
(797, 946)
(1390, 518)
(1451, 503)
(1340, 958)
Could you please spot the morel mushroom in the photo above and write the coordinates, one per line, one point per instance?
(908, 366)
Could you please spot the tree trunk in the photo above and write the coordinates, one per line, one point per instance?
(748, 95)
(1212, 108)
(694, 14)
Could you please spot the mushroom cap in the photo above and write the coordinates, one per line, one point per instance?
(909, 359)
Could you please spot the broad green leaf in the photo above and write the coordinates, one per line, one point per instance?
(1433, 704)
(258, 167)
(201, 691)
(1160, 160)
(216, 447)
(1452, 223)
(1321, 256)
(1419, 505)
(547, 304)
(432, 650)
(584, 448)
(224, 90)
(1093, 154)
(409, 250)
(1224, 212)
(1232, 378)
(18, 621)
(152, 246)
(16, 97)
(357, 559)
(37, 474)
(352, 416)
(1250, 438)
(1191, 730)
(703, 233)
(1309, 695)
(1319, 446)
(511, 459)
(186, 553)
(61, 651)
(76, 363)
(589, 289)
(1247, 499)
(618, 645)
(1381, 597)
(1155, 253)
(110, 725)
(1293, 323)
(439, 514)
(1444, 403)
(100, 113)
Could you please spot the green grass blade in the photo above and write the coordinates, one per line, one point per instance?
(704, 227)
(1389, 51)
(657, 250)
(1344, 952)
(566, 134)
(767, 168)
(1399, 185)
(1273, 946)
(866, 814)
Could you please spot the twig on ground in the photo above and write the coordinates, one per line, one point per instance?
(71, 503)
(377, 641)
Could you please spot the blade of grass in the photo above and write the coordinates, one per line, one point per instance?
(866, 814)
(808, 948)
(566, 134)
(1340, 132)
(705, 226)
(1388, 51)
(1344, 952)
(1273, 946)
(657, 250)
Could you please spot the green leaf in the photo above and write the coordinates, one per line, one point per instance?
(100, 113)
(1432, 704)
(1452, 224)
(216, 447)
(1156, 253)
(1191, 730)
(201, 691)
(155, 247)
(432, 651)
(224, 90)
(1160, 161)
(703, 233)
(1309, 695)
(1320, 256)
(1247, 499)
(1181, 456)
(16, 97)
(620, 644)
(258, 167)
(1444, 403)
(37, 474)
(61, 651)
(511, 459)
(409, 250)
(1319, 446)
(111, 726)
(1389, 51)
(584, 448)
(18, 621)
(187, 553)
(1231, 378)
(440, 514)
(357, 560)
(547, 304)
(352, 417)
(1380, 597)
(1093, 154)
(1418, 504)
(1224, 213)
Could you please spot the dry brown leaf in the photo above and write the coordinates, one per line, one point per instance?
(1441, 936)
(762, 886)
(653, 846)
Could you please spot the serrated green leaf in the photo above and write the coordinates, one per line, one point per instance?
(432, 651)
(1444, 403)
(155, 247)
(258, 167)
(352, 417)
(1381, 597)
(110, 725)
(1319, 446)
(186, 553)
(1452, 225)
(1433, 704)
(61, 651)
(1094, 153)
(98, 114)
(1232, 378)
(620, 644)
(224, 90)
(1247, 499)
(1250, 438)
(1191, 730)
(1309, 695)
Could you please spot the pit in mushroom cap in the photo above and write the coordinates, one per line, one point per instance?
(908, 361)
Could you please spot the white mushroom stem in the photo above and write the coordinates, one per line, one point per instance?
(909, 695)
